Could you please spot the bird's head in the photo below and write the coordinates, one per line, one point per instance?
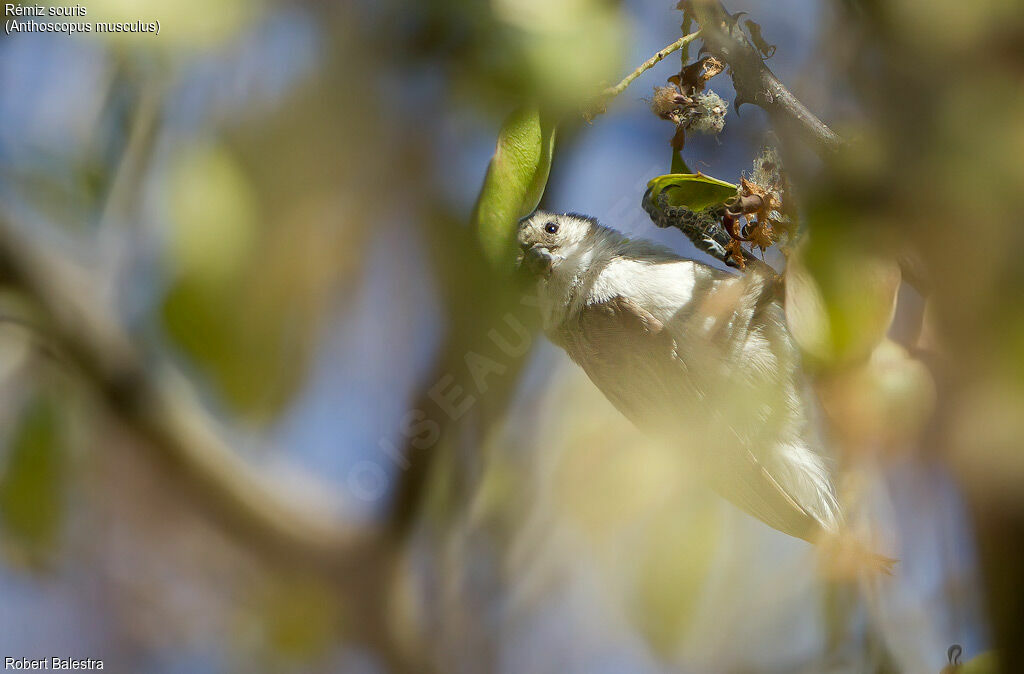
(548, 239)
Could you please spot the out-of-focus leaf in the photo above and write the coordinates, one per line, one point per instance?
(674, 563)
(514, 184)
(985, 437)
(213, 212)
(840, 299)
(559, 52)
(986, 663)
(604, 490)
(246, 297)
(215, 226)
(15, 346)
(695, 191)
(33, 480)
(184, 25)
(295, 620)
(16, 337)
(883, 402)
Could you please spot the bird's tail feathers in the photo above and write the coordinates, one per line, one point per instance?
(843, 555)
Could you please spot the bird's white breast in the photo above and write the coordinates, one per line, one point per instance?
(660, 287)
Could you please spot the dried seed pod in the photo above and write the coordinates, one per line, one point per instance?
(706, 114)
(665, 101)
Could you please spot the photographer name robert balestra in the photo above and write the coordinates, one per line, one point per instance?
(52, 663)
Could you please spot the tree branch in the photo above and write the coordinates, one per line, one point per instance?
(754, 81)
(156, 405)
(704, 229)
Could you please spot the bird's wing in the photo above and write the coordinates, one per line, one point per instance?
(620, 345)
(747, 483)
(633, 358)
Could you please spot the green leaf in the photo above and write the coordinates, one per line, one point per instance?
(695, 191)
(514, 184)
(675, 557)
(678, 164)
(32, 483)
(244, 298)
(840, 298)
(293, 621)
(985, 663)
(213, 212)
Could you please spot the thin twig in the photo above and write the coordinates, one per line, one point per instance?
(611, 92)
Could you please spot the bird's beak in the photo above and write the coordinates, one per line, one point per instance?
(535, 259)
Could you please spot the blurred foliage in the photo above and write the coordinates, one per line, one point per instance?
(514, 183)
(185, 25)
(293, 621)
(840, 298)
(558, 53)
(675, 560)
(651, 530)
(559, 48)
(33, 482)
(267, 225)
(223, 308)
(937, 177)
(213, 209)
(16, 339)
(882, 403)
(986, 663)
(267, 208)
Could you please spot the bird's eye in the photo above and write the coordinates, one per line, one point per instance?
(551, 228)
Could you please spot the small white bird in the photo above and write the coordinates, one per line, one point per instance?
(689, 352)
